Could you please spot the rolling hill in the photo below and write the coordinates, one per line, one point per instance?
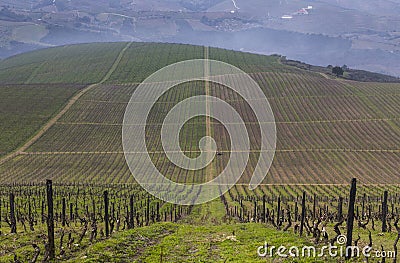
(62, 111)
(361, 34)
(329, 130)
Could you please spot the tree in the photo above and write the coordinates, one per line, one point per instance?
(338, 71)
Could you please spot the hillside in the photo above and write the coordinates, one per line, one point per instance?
(63, 108)
(329, 130)
(360, 34)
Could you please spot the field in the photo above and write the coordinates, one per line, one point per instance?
(26, 108)
(29, 33)
(329, 131)
(145, 229)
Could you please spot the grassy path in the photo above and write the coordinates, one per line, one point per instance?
(211, 212)
(210, 168)
(71, 102)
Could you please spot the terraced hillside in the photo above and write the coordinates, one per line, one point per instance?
(329, 130)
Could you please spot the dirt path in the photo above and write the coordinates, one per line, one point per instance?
(71, 102)
(325, 76)
(211, 212)
(210, 169)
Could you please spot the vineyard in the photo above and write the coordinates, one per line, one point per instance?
(329, 131)
(319, 121)
(86, 215)
(26, 108)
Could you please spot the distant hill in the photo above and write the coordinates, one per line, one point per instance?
(361, 34)
(351, 74)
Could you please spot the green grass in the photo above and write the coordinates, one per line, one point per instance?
(168, 242)
(222, 243)
(172, 242)
(182, 242)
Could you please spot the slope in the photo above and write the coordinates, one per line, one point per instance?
(328, 130)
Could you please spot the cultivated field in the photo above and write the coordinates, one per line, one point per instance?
(329, 131)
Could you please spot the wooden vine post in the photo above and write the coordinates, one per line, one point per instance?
(148, 211)
(50, 219)
(363, 207)
(131, 213)
(263, 210)
(384, 211)
(278, 212)
(340, 209)
(13, 221)
(314, 206)
(255, 211)
(94, 210)
(63, 213)
(303, 213)
(106, 216)
(350, 216)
